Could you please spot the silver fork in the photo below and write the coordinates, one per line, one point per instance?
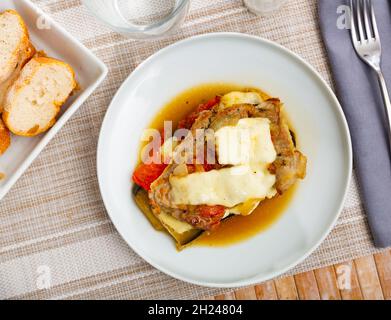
(366, 42)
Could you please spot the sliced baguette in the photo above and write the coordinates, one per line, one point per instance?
(35, 98)
(15, 47)
(5, 139)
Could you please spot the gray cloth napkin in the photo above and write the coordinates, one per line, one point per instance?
(359, 94)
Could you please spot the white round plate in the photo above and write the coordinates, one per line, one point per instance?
(322, 134)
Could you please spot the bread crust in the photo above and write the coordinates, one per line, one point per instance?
(5, 138)
(24, 43)
(24, 80)
(21, 55)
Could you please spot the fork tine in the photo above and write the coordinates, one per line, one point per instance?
(359, 21)
(373, 20)
(353, 29)
(368, 28)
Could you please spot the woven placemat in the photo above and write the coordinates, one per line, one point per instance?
(53, 221)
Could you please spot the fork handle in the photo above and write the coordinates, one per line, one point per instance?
(387, 103)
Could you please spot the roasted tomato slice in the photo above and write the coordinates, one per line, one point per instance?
(211, 211)
(191, 118)
(145, 174)
(209, 105)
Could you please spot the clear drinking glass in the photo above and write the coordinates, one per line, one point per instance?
(140, 19)
(263, 7)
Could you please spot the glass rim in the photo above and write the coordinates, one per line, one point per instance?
(178, 8)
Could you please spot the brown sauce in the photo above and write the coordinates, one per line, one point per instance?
(237, 228)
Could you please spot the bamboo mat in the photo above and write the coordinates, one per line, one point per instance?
(54, 219)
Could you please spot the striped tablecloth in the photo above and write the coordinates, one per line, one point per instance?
(53, 221)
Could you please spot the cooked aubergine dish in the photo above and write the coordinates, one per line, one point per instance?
(248, 155)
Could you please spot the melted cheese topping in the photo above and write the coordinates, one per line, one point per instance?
(249, 148)
(227, 187)
(247, 142)
(237, 97)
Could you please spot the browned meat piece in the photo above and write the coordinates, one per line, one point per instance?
(230, 116)
(289, 165)
(289, 169)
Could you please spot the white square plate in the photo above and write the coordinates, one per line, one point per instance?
(50, 37)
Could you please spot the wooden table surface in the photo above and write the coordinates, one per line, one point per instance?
(370, 279)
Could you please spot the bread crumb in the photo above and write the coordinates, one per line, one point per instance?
(41, 53)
